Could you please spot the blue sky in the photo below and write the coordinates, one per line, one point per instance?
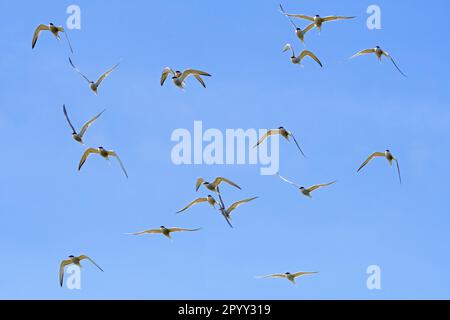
(340, 114)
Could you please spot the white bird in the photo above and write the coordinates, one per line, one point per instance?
(212, 186)
(78, 136)
(298, 59)
(389, 157)
(306, 191)
(179, 77)
(379, 53)
(163, 230)
(284, 133)
(208, 199)
(318, 20)
(298, 31)
(76, 261)
(55, 30)
(94, 85)
(104, 153)
(290, 276)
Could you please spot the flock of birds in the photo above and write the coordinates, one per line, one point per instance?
(179, 79)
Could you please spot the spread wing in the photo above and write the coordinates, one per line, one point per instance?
(79, 72)
(63, 264)
(289, 18)
(218, 180)
(165, 73)
(275, 275)
(298, 146)
(318, 186)
(88, 124)
(333, 18)
(150, 231)
(310, 54)
(299, 274)
(268, 134)
(237, 204)
(393, 62)
(86, 155)
(106, 74)
(398, 170)
(363, 52)
(200, 80)
(300, 16)
(181, 229)
(82, 257)
(286, 180)
(188, 72)
(309, 27)
(114, 154)
(374, 155)
(38, 30)
(68, 120)
(196, 201)
(199, 183)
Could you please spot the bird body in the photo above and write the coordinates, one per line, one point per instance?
(298, 59)
(78, 136)
(379, 53)
(389, 157)
(164, 231)
(289, 276)
(178, 77)
(105, 154)
(212, 186)
(317, 19)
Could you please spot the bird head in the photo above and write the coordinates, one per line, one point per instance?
(178, 73)
(162, 227)
(205, 183)
(302, 188)
(101, 148)
(51, 24)
(71, 256)
(287, 273)
(209, 196)
(281, 128)
(388, 150)
(316, 16)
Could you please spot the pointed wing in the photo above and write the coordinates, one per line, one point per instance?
(199, 80)
(289, 18)
(363, 52)
(76, 69)
(107, 73)
(268, 134)
(181, 229)
(309, 27)
(318, 186)
(286, 180)
(86, 155)
(188, 72)
(287, 47)
(82, 257)
(150, 231)
(298, 146)
(300, 16)
(218, 180)
(199, 183)
(165, 73)
(68, 120)
(398, 170)
(299, 274)
(373, 155)
(196, 201)
(333, 18)
(275, 275)
(393, 62)
(38, 30)
(237, 204)
(61, 270)
(88, 124)
(310, 54)
(114, 154)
